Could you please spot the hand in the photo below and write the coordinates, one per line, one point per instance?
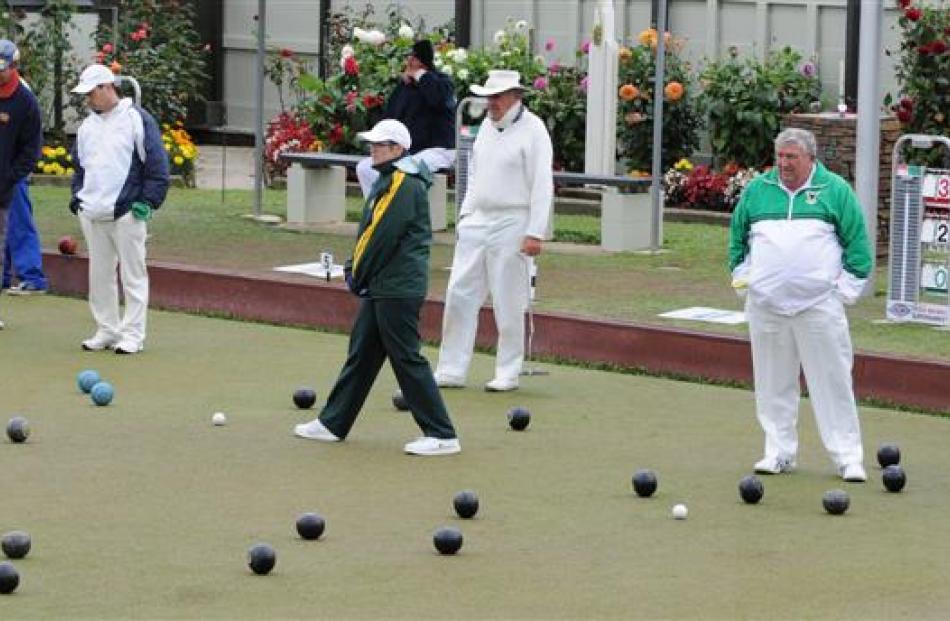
(141, 211)
(531, 246)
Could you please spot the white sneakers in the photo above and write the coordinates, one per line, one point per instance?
(433, 446)
(774, 465)
(502, 385)
(448, 381)
(99, 342)
(314, 430)
(129, 347)
(853, 473)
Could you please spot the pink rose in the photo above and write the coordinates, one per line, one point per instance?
(540, 83)
(549, 45)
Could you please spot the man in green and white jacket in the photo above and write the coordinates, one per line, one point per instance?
(798, 252)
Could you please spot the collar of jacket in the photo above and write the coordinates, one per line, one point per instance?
(819, 179)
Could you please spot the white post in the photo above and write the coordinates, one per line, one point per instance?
(259, 110)
(601, 145)
(868, 139)
(657, 173)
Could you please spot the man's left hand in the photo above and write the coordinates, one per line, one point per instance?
(531, 246)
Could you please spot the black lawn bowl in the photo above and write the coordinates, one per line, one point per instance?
(751, 489)
(310, 526)
(18, 429)
(466, 504)
(9, 578)
(894, 478)
(888, 454)
(518, 418)
(16, 544)
(304, 398)
(836, 501)
(261, 558)
(399, 401)
(447, 540)
(644, 483)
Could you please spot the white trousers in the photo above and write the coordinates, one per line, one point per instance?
(487, 259)
(436, 158)
(111, 243)
(816, 341)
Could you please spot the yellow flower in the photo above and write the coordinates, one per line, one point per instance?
(69, 157)
(70, 171)
(165, 126)
(179, 160)
(60, 150)
(168, 147)
(48, 169)
(683, 164)
(48, 151)
(39, 165)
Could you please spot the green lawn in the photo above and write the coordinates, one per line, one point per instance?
(144, 510)
(195, 227)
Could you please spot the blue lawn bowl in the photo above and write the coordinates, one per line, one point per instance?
(87, 379)
(102, 393)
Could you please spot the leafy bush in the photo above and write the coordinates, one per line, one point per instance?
(745, 101)
(158, 45)
(182, 151)
(699, 187)
(287, 133)
(681, 121)
(923, 72)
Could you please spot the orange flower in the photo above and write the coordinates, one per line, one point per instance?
(625, 53)
(115, 66)
(673, 91)
(629, 92)
(647, 37)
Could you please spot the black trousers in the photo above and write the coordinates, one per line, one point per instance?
(387, 328)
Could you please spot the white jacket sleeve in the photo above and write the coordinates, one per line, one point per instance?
(468, 203)
(540, 181)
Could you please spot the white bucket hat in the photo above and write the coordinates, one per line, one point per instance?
(388, 130)
(499, 81)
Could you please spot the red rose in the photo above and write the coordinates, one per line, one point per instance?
(938, 47)
(904, 115)
(350, 66)
(286, 53)
(925, 49)
(336, 134)
(913, 14)
(369, 101)
(907, 103)
(904, 3)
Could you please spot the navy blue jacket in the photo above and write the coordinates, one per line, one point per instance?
(21, 137)
(427, 109)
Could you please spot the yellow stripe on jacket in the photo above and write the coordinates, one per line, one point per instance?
(379, 210)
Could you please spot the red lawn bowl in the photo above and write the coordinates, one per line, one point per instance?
(67, 245)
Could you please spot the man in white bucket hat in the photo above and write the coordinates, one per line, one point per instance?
(503, 218)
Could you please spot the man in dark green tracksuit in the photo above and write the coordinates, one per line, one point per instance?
(389, 270)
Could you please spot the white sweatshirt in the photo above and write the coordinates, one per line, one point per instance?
(511, 169)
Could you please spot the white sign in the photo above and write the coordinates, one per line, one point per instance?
(317, 270)
(702, 313)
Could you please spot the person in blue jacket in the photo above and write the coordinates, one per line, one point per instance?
(23, 259)
(120, 178)
(21, 133)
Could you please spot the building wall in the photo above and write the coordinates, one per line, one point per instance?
(709, 27)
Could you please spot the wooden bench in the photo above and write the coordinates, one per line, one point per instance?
(626, 209)
(316, 189)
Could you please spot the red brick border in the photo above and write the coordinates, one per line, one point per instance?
(286, 299)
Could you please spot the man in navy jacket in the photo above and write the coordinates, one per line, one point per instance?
(21, 133)
(121, 176)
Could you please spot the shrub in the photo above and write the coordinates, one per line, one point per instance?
(923, 73)
(158, 45)
(745, 101)
(287, 133)
(55, 160)
(182, 151)
(637, 65)
(699, 187)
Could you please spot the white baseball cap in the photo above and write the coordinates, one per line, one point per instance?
(92, 76)
(388, 130)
